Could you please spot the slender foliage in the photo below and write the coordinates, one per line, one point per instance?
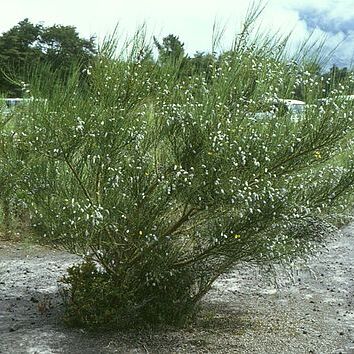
(166, 182)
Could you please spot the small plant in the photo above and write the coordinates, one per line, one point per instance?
(91, 299)
(94, 298)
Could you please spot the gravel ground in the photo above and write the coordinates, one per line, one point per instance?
(312, 312)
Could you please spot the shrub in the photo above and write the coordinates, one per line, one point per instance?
(166, 181)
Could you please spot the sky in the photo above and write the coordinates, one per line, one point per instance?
(192, 20)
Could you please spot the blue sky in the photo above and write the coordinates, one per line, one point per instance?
(192, 20)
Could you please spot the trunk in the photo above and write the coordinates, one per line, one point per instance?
(6, 214)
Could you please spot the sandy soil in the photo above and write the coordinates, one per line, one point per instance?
(244, 313)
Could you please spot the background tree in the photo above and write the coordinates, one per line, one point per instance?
(203, 64)
(170, 50)
(62, 46)
(334, 77)
(18, 48)
(25, 45)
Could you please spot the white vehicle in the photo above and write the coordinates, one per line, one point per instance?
(294, 106)
(8, 104)
(281, 107)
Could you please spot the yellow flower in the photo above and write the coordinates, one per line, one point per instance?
(237, 236)
(140, 233)
(210, 153)
(317, 154)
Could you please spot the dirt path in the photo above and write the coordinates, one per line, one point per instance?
(242, 314)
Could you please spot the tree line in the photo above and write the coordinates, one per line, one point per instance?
(59, 47)
(26, 45)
